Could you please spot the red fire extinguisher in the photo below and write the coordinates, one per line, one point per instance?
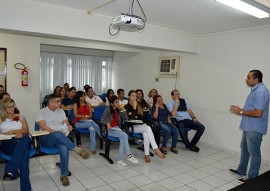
(24, 77)
(24, 74)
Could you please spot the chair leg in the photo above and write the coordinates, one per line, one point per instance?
(78, 138)
(106, 155)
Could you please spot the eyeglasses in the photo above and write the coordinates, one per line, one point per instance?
(11, 106)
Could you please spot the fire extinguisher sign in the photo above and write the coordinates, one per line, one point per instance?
(24, 73)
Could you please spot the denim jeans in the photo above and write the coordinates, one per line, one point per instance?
(63, 143)
(250, 148)
(124, 145)
(169, 129)
(93, 129)
(187, 123)
(18, 149)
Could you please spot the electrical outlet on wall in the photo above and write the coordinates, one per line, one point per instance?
(157, 79)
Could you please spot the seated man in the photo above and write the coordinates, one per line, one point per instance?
(185, 119)
(53, 119)
(121, 95)
(94, 100)
(68, 102)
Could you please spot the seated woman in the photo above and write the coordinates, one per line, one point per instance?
(161, 114)
(135, 112)
(82, 111)
(140, 99)
(18, 147)
(151, 94)
(62, 93)
(112, 117)
(110, 93)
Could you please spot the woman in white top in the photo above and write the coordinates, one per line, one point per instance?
(18, 147)
(151, 94)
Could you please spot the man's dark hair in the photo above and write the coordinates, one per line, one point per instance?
(257, 74)
(120, 90)
(87, 88)
(172, 93)
(1, 86)
(52, 96)
(72, 88)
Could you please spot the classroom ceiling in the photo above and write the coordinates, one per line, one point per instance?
(199, 17)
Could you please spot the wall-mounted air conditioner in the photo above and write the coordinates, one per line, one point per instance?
(169, 66)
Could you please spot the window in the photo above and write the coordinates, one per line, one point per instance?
(77, 70)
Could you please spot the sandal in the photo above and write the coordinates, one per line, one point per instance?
(84, 154)
(164, 150)
(174, 150)
(94, 152)
(159, 153)
(147, 159)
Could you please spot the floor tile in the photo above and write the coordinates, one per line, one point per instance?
(123, 185)
(111, 177)
(93, 182)
(140, 180)
(153, 186)
(170, 183)
(201, 186)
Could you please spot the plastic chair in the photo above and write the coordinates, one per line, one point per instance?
(108, 140)
(44, 149)
(7, 157)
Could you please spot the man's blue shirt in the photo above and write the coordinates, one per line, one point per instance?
(182, 114)
(257, 99)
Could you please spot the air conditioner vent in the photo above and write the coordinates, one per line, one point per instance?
(169, 66)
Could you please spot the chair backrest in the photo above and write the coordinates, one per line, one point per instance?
(37, 127)
(98, 111)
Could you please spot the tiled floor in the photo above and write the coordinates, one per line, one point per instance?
(186, 171)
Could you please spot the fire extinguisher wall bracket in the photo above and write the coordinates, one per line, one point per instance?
(24, 73)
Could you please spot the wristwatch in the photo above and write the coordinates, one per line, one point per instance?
(241, 112)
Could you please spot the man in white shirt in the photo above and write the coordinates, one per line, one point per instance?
(121, 95)
(53, 120)
(94, 100)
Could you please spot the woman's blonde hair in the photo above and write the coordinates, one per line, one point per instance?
(149, 94)
(3, 106)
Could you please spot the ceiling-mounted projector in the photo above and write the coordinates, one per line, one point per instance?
(128, 22)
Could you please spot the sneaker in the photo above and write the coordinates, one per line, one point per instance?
(233, 171)
(64, 180)
(121, 163)
(132, 159)
(243, 179)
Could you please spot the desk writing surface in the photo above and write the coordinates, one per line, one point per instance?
(134, 121)
(6, 137)
(38, 133)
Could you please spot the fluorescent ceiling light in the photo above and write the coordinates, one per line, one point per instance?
(244, 7)
(266, 3)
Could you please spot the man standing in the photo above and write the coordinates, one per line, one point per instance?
(254, 125)
(53, 120)
(185, 119)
